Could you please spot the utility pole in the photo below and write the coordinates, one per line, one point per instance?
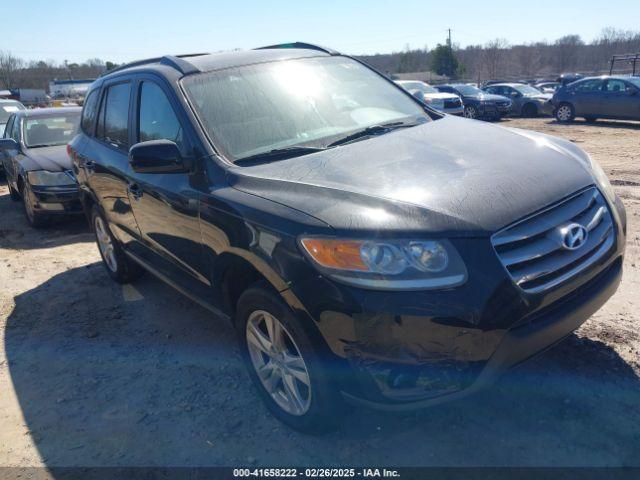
(449, 41)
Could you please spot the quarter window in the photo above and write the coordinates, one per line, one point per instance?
(114, 115)
(156, 118)
(89, 112)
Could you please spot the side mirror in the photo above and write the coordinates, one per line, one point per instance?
(156, 156)
(9, 144)
(418, 94)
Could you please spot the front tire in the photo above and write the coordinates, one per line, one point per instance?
(35, 219)
(565, 113)
(470, 112)
(119, 267)
(284, 364)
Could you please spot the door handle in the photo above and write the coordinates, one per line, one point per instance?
(135, 190)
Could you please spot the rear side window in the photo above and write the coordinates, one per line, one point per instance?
(89, 112)
(114, 116)
(156, 118)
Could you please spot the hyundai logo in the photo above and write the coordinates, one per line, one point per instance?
(574, 236)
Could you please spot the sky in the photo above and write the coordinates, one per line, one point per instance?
(120, 30)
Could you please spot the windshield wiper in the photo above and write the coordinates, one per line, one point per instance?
(278, 154)
(372, 131)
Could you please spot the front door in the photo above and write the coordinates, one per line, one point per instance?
(586, 97)
(165, 205)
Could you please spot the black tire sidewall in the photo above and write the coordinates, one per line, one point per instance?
(326, 403)
(36, 219)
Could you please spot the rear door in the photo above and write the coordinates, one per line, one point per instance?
(106, 162)
(165, 205)
(619, 100)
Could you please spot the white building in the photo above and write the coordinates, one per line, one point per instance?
(69, 88)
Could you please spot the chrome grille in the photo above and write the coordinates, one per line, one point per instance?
(533, 250)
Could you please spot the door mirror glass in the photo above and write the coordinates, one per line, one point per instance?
(8, 144)
(156, 156)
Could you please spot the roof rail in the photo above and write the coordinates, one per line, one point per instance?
(301, 45)
(176, 61)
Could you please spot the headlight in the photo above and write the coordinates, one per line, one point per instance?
(602, 180)
(388, 264)
(41, 177)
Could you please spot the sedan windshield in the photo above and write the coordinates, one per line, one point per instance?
(7, 108)
(468, 90)
(527, 90)
(311, 102)
(50, 131)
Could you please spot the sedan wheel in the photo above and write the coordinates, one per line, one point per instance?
(564, 113)
(278, 363)
(470, 112)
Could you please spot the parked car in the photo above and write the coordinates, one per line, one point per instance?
(38, 170)
(599, 97)
(479, 104)
(365, 246)
(526, 100)
(444, 102)
(7, 107)
(547, 87)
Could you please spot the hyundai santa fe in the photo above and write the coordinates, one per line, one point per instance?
(365, 246)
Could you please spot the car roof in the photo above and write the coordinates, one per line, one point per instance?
(207, 62)
(47, 112)
(505, 84)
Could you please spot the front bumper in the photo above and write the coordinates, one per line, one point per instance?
(403, 350)
(50, 200)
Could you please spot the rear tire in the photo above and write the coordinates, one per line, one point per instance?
(315, 406)
(13, 194)
(119, 267)
(35, 219)
(565, 113)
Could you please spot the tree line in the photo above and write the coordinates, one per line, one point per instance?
(497, 59)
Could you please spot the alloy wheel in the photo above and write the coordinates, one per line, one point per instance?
(278, 363)
(470, 112)
(564, 113)
(105, 244)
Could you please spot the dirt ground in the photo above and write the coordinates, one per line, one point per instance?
(95, 374)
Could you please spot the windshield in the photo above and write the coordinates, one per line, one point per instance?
(423, 87)
(468, 90)
(7, 108)
(50, 131)
(254, 109)
(527, 90)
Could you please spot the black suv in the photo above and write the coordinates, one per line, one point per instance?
(365, 246)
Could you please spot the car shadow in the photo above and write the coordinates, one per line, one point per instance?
(16, 234)
(111, 375)
(600, 123)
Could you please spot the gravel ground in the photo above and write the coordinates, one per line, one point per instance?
(95, 374)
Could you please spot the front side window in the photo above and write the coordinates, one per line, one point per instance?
(156, 118)
(89, 112)
(254, 109)
(114, 116)
(588, 86)
(50, 130)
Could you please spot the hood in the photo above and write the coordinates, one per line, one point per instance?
(452, 175)
(52, 159)
(441, 96)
